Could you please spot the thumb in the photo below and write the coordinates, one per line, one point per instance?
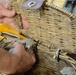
(17, 49)
(6, 12)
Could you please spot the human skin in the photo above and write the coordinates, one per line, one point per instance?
(18, 60)
(6, 16)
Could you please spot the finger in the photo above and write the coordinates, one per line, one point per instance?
(24, 21)
(13, 25)
(18, 49)
(1, 16)
(5, 4)
(6, 12)
(1, 20)
(10, 22)
(7, 20)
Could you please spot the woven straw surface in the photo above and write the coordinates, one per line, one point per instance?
(51, 27)
(54, 29)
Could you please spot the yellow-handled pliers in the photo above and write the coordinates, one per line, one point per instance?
(4, 28)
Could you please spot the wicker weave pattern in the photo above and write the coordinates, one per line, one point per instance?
(55, 29)
(52, 28)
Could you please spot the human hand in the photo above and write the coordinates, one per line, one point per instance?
(25, 59)
(6, 16)
(18, 60)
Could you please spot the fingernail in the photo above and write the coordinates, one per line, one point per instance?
(9, 13)
(12, 13)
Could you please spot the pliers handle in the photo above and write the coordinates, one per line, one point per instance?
(4, 28)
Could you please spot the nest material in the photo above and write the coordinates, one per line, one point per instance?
(55, 29)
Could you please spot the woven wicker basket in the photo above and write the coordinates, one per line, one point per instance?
(56, 29)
